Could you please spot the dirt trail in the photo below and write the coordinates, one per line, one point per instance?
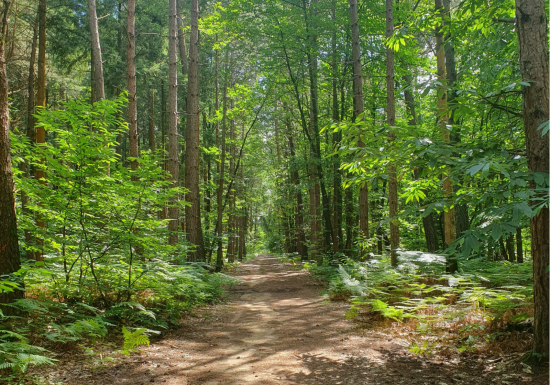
(278, 329)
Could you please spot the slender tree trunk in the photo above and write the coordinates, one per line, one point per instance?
(348, 198)
(231, 224)
(532, 30)
(181, 41)
(390, 110)
(358, 110)
(519, 245)
(510, 248)
(443, 121)
(172, 163)
(337, 179)
(152, 144)
(9, 243)
(131, 83)
(39, 173)
(31, 134)
(219, 259)
(97, 63)
(462, 222)
(428, 222)
(314, 216)
(295, 177)
(193, 213)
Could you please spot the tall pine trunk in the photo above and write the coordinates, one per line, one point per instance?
(9, 243)
(131, 83)
(219, 226)
(192, 212)
(172, 164)
(40, 133)
(358, 110)
(390, 111)
(532, 30)
(97, 63)
(448, 215)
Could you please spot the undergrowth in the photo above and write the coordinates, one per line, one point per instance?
(474, 310)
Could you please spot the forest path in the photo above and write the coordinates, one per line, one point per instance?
(278, 329)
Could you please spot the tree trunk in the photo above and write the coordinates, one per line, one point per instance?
(193, 213)
(97, 63)
(390, 111)
(443, 121)
(40, 137)
(152, 144)
(510, 248)
(462, 222)
(295, 177)
(314, 217)
(231, 224)
(219, 256)
(348, 198)
(181, 40)
(172, 163)
(31, 134)
(131, 83)
(337, 179)
(532, 30)
(9, 243)
(519, 245)
(358, 110)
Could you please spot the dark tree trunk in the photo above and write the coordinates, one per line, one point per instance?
(448, 215)
(390, 111)
(519, 245)
(172, 163)
(40, 134)
(9, 244)
(532, 30)
(193, 212)
(295, 177)
(510, 248)
(358, 110)
(133, 138)
(152, 144)
(219, 226)
(337, 179)
(30, 133)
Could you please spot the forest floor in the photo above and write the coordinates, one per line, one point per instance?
(277, 328)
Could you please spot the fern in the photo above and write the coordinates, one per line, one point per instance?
(133, 340)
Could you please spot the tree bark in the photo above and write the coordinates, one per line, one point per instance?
(532, 30)
(31, 134)
(172, 163)
(295, 177)
(152, 144)
(390, 111)
(462, 221)
(219, 255)
(358, 110)
(192, 213)
(519, 245)
(131, 83)
(443, 120)
(181, 41)
(97, 63)
(9, 243)
(231, 224)
(336, 137)
(40, 134)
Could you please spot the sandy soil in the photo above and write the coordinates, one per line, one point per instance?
(278, 329)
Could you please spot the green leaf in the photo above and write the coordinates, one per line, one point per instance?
(544, 127)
